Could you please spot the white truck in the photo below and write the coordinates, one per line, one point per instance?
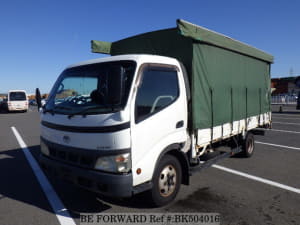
(155, 112)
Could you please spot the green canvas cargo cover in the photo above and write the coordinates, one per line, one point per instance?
(229, 80)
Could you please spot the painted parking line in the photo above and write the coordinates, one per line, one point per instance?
(284, 118)
(296, 124)
(286, 115)
(259, 179)
(60, 211)
(276, 130)
(275, 145)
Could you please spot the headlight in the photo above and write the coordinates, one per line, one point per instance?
(117, 163)
(44, 148)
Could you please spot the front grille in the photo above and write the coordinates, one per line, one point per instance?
(85, 182)
(72, 157)
(86, 161)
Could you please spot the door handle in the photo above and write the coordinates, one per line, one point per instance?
(179, 124)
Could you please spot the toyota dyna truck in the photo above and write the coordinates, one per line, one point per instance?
(162, 106)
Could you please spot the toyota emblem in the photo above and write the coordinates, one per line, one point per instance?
(66, 139)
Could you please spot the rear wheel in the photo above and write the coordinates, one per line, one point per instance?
(166, 181)
(248, 145)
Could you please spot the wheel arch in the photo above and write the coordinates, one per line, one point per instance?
(174, 150)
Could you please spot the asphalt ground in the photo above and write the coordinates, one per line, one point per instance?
(247, 198)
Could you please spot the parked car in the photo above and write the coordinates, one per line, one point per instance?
(43, 101)
(32, 102)
(17, 100)
(2, 103)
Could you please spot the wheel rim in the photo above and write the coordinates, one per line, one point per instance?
(167, 181)
(250, 145)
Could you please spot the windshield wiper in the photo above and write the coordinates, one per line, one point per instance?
(82, 111)
(52, 111)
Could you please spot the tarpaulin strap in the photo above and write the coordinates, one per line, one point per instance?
(246, 119)
(212, 113)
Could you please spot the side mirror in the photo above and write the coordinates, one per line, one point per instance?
(38, 98)
(115, 85)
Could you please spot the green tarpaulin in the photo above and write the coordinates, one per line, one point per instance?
(229, 80)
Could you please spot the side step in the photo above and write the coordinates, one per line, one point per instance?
(214, 160)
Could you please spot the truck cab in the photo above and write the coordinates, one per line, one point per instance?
(108, 120)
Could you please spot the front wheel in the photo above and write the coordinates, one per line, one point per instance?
(166, 181)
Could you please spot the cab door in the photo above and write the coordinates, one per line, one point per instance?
(159, 118)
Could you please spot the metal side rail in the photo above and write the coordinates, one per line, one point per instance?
(210, 162)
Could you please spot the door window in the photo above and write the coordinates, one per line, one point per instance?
(158, 89)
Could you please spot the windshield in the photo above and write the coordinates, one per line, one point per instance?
(17, 96)
(88, 89)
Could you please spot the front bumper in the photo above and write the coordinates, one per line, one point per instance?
(113, 185)
(14, 108)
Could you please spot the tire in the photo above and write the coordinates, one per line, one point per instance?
(248, 146)
(166, 181)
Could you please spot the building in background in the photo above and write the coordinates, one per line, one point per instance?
(285, 85)
(286, 90)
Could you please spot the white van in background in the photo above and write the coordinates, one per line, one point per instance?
(17, 100)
